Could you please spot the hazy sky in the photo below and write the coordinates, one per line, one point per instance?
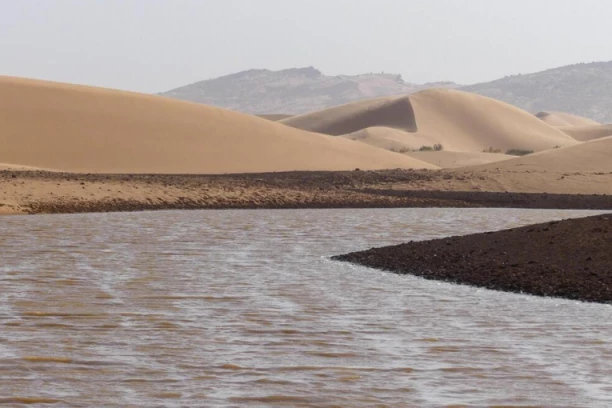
(156, 45)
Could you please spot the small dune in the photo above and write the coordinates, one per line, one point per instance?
(449, 160)
(559, 119)
(593, 156)
(588, 132)
(8, 166)
(85, 129)
(466, 122)
(389, 138)
(585, 168)
(460, 121)
(409, 144)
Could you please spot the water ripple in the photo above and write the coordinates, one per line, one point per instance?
(244, 308)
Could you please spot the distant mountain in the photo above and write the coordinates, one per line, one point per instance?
(293, 91)
(581, 89)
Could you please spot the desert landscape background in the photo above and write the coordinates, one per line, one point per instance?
(313, 204)
(472, 143)
(582, 89)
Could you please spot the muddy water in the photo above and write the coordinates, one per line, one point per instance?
(244, 308)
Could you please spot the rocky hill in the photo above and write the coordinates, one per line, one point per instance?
(581, 89)
(293, 91)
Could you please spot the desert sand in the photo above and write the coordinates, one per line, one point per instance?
(388, 138)
(398, 141)
(460, 121)
(8, 166)
(451, 160)
(275, 117)
(593, 156)
(585, 168)
(578, 176)
(69, 148)
(35, 192)
(392, 112)
(559, 119)
(85, 129)
(587, 132)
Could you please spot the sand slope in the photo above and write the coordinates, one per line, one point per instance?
(585, 168)
(564, 119)
(392, 112)
(406, 143)
(450, 160)
(468, 122)
(388, 138)
(588, 132)
(460, 121)
(8, 166)
(593, 156)
(85, 129)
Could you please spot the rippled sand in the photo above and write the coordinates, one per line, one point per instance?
(244, 308)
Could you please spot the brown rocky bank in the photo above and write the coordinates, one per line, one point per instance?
(53, 192)
(569, 259)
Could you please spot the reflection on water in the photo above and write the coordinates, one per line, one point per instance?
(244, 308)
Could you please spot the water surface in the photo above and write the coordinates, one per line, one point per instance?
(244, 308)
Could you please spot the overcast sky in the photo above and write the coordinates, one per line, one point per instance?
(156, 45)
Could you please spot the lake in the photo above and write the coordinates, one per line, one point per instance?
(245, 308)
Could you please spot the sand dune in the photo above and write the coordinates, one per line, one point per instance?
(391, 112)
(460, 121)
(585, 168)
(593, 156)
(85, 129)
(558, 119)
(8, 166)
(467, 122)
(449, 160)
(388, 138)
(586, 133)
(400, 141)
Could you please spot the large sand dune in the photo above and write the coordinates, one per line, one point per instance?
(84, 129)
(564, 119)
(588, 132)
(460, 121)
(469, 122)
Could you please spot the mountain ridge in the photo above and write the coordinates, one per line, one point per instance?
(294, 90)
(583, 89)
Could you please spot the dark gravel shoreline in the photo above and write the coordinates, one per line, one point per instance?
(78, 193)
(569, 259)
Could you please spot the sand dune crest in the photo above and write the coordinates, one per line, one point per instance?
(558, 119)
(586, 133)
(392, 112)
